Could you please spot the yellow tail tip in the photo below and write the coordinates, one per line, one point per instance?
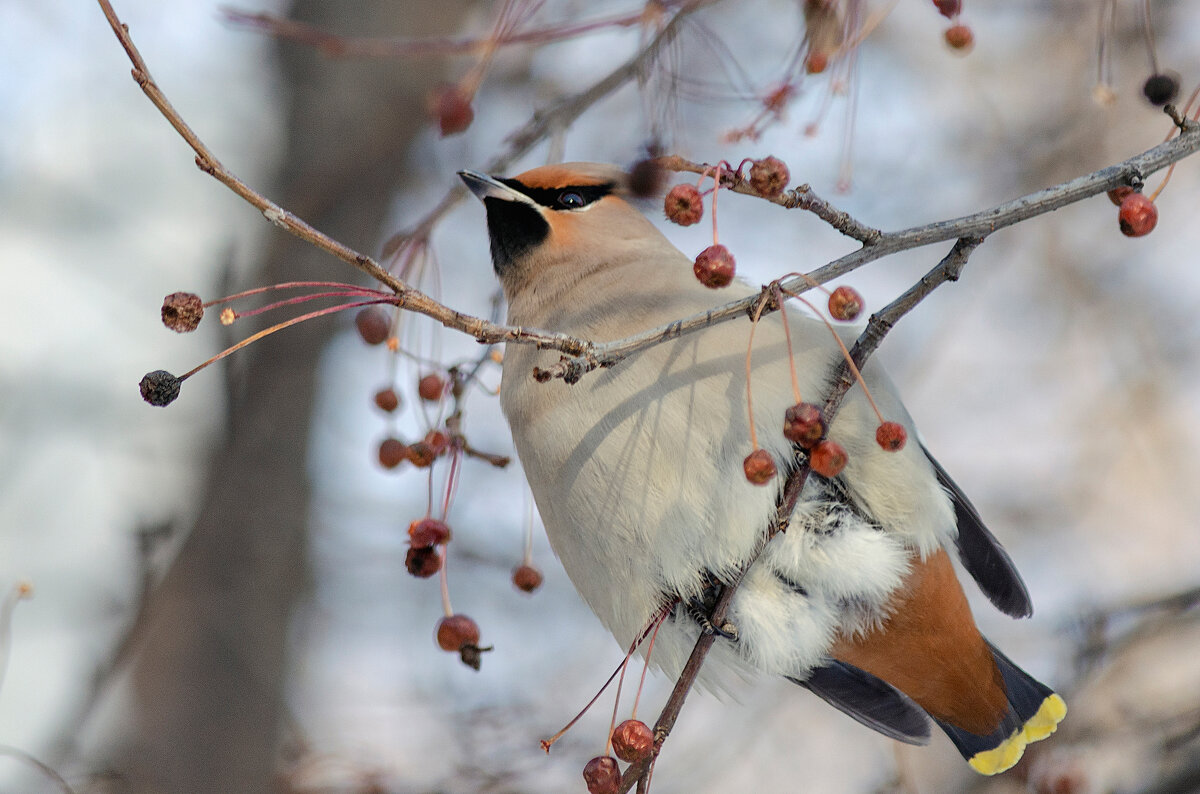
(1009, 752)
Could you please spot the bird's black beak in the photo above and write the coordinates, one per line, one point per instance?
(485, 187)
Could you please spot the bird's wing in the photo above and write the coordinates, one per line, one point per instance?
(870, 700)
(982, 555)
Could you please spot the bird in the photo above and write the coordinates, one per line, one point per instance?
(637, 473)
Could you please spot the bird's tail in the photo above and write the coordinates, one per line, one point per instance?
(1034, 711)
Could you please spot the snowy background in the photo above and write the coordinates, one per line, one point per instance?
(1057, 382)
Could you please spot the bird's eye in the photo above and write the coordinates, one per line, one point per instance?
(570, 200)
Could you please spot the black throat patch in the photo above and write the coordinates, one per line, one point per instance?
(515, 228)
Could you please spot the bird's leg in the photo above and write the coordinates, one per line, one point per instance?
(700, 608)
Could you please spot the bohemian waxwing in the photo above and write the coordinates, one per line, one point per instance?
(637, 473)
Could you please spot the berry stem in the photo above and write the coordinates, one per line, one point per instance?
(845, 354)
(16, 594)
(716, 190)
(777, 294)
(612, 725)
(527, 559)
(293, 284)
(646, 664)
(279, 327)
(749, 351)
(357, 293)
(1148, 32)
(445, 581)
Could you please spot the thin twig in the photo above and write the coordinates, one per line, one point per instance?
(975, 226)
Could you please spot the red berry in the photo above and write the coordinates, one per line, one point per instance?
(602, 775)
(1119, 194)
(816, 62)
(828, 458)
(182, 311)
(714, 267)
(769, 176)
(632, 741)
(423, 561)
(960, 37)
(948, 8)
(438, 442)
(845, 304)
(684, 205)
(803, 425)
(891, 436)
(392, 452)
(431, 388)
(1137, 216)
(373, 325)
(759, 467)
(450, 107)
(421, 455)
(387, 399)
(456, 632)
(526, 578)
(428, 531)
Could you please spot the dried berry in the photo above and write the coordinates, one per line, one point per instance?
(1137, 216)
(816, 62)
(646, 178)
(828, 458)
(438, 442)
(450, 107)
(392, 452)
(526, 578)
(803, 425)
(1119, 194)
(759, 467)
(423, 561)
(455, 632)
(387, 399)
(602, 775)
(960, 38)
(182, 311)
(948, 8)
(845, 304)
(428, 531)
(373, 325)
(684, 205)
(421, 455)
(891, 436)
(769, 176)
(714, 267)
(1161, 88)
(431, 388)
(159, 387)
(632, 741)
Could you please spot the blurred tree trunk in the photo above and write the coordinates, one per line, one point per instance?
(208, 677)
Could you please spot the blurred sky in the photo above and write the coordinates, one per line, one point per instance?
(1056, 381)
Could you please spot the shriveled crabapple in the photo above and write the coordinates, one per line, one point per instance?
(714, 267)
(431, 387)
(455, 631)
(1137, 216)
(891, 436)
(182, 311)
(373, 325)
(392, 452)
(159, 387)
(684, 205)
(428, 531)
(450, 107)
(422, 561)
(420, 454)
(804, 425)
(759, 467)
(632, 741)
(769, 176)
(828, 458)
(602, 775)
(526, 578)
(1161, 88)
(387, 399)
(960, 38)
(845, 304)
